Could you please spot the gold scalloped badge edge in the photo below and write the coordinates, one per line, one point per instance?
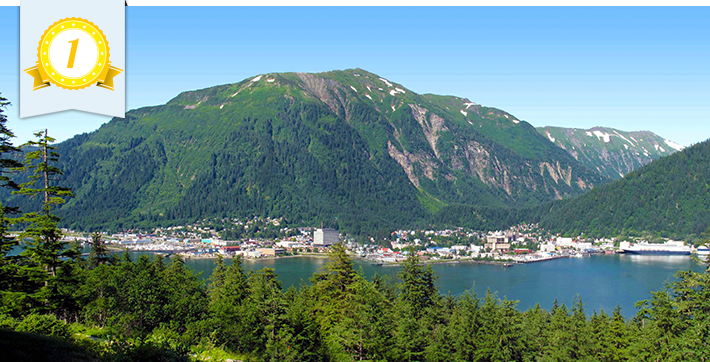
(107, 64)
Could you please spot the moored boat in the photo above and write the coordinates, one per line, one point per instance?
(667, 248)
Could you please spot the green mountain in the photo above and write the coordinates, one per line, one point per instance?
(343, 146)
(670, 196)
(612, 152)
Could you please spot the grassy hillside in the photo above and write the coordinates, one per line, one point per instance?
(611, 152)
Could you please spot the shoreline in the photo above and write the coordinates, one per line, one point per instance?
(503, 263)
(256, 259)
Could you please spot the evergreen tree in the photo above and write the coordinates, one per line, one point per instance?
(225, 304)
(536, 330)
(186, 295)
(9, 278)
(500, 335)
(99, 252)
(45, 248)
(264, 327)
(464, 327)
(100, 294)
(332, 287)
(616, 338)
(418, 287)
(7, 149)
(580, 343)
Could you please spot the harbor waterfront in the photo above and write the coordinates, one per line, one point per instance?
(602, 281)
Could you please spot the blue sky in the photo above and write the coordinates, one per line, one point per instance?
(627, 68)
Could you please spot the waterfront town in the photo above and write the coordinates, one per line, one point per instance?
(520, 244)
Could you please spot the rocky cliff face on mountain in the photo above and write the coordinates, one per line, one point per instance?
(611, 152)
(347, 144)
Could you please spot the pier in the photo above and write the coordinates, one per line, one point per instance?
(527, 261)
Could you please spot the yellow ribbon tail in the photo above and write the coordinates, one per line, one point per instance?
(108, 79)
(37, 75)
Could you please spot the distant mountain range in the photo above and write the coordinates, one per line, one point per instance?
(346, 145)
(611, 152)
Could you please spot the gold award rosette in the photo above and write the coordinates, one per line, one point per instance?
(73, 53)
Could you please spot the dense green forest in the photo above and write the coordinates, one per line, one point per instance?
(669, 197)
(57, 306)
(152, 310)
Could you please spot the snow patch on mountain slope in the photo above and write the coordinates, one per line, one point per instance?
(368, 96)
(469, 104)
(552, 139)
(353, 88)
(464, 112)
(625, 139)
(674, 145)
(256, 79)
(386, 82)
(603, 135)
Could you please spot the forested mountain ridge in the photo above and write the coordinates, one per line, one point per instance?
(611, 152)
(670, 196)
(346, 145)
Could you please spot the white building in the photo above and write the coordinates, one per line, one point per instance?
(325, 237)
(289, 244)
(564, 242)
(583, 246)
(547, 247)
(400, 245)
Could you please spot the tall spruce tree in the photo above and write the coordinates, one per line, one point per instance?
(45, 248)
(418, 288)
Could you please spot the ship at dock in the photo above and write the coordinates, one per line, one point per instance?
(668, 248)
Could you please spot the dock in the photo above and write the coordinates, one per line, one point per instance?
(528, 261)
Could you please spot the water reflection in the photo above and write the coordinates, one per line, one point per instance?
(665, 261)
